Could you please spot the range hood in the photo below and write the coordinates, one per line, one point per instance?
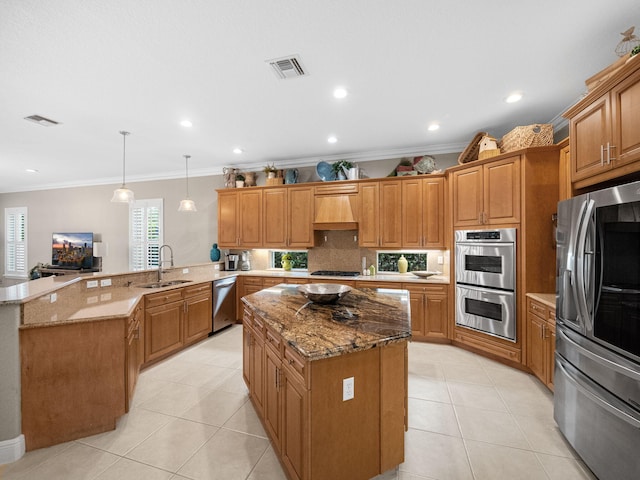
(336, 212)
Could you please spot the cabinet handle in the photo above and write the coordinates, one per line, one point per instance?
(609, 157)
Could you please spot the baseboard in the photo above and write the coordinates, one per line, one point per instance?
(12, 450)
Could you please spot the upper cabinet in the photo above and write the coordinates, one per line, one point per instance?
(423, 212)
(287, 217)
(487, 194)
(240, 218)
(604, 129)
(380, 220)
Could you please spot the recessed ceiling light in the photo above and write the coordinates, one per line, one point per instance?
(340, 92)
(433, 127)
(31, 170)
(237, 150)
(186, 123)
(513, 98)
(332, 139)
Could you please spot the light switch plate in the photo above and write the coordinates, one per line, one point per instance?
(54, 297)
(440, 260)
(92, 283)
(185, 270)
(105, 282)
(347, 389)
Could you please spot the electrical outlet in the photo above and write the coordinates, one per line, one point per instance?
(105, 282)
(92, 283)
(185, 270)
(440, 260)
(347, 389)
(216, 266)
(54, 297)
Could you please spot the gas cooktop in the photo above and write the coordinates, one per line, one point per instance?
(335, 273)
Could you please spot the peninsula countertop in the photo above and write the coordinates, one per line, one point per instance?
(365, 318)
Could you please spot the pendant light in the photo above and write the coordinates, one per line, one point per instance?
(123, 194)
(187, 205)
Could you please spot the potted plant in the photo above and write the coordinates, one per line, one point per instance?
(270, 170)
(239, 180)
(341, 169)
(286, 261)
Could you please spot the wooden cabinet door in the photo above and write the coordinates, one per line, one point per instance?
(433, 212)
(368, 216)
(467, 196)
(536, 352)
(551, 352)
(228, 219)
(390, 214)
(435, 315)
(502, 191)
(163, 330)
(257, 373)
(198, 319)
(300, 217)
(416, 301)
(274, 206)
(132, 359)
(250, 226)
(246, 354)
(413, 213)
(625, 103)
(272, 403)
(294, 431)
(589, 131)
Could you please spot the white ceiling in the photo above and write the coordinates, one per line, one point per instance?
(99, 67)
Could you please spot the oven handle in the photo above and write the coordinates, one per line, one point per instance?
(580, 257)
(484, 244)
(627, 372)
(581, 382)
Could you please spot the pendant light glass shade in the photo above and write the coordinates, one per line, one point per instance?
(187, 205)
(123, 194)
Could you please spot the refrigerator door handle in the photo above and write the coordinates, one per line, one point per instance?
(596, 393)
(581, 287)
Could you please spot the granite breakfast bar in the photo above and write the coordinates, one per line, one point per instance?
(329, 382)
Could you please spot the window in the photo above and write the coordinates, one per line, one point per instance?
(145, 233)
(15, 259)
(388, 261)
(298, 259)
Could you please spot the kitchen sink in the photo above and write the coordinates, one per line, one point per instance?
(165, 283)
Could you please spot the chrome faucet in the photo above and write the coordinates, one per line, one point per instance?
(160, 261)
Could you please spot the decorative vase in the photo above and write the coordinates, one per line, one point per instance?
(286, 264)
(291, 176)
(402, 264)
(214, 254)
(271, 175)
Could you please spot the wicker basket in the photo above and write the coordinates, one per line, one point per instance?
(274, 181)
(473, 149)
(536, 135)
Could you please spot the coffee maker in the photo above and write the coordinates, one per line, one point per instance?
(231, 261)
(245, 262)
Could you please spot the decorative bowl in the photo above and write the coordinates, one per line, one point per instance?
(426, 273)
(324, 292)
(325, 172)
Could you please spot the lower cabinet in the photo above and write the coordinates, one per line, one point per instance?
(429, 310)
(541, 340)
(134, 352)
(197, 312)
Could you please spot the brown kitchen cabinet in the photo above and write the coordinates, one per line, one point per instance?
(134, 352)
(423, 212)
(429, 310)
(197, 313)
(288, 215)
(240, 218)
(487, 194)
(541, 340)
(604, 129)
(380, 219)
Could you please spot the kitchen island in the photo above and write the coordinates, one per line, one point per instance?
(329, 382)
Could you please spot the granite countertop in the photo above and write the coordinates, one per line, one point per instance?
(365, 318)
(548, 299)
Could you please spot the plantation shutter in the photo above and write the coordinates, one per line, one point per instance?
(16, 241)
(145, 233)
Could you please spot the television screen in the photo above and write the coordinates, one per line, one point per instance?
(72, 250)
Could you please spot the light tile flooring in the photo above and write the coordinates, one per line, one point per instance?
(469, 418)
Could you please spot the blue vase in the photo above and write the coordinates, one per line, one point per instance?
(214, 254)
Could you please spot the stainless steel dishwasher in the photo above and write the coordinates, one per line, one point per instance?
(224, 303)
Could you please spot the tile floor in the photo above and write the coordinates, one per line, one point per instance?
(469, 417)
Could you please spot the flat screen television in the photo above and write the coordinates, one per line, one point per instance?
(72, 251)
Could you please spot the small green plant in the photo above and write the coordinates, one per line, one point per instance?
(635, 51)
(270, 168)
(287, 256)
(340, 166)
(240, 177)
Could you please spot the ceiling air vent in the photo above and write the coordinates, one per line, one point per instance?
(40, 120)
(288, 67)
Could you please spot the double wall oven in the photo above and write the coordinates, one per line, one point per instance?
(486, 281)
(597, 374)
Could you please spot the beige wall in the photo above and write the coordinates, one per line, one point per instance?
(88, 209)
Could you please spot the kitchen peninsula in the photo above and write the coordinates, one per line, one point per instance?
(329, 381)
